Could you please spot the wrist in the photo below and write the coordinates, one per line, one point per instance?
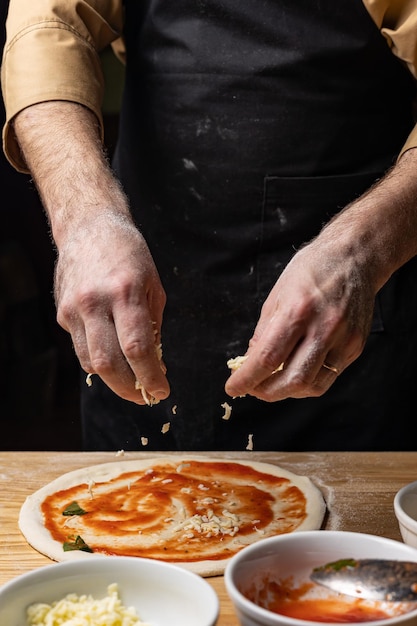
(61, 144)
(379, 229)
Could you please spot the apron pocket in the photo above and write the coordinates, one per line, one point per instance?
(294, 211)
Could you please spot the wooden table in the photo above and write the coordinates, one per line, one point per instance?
(358, 487)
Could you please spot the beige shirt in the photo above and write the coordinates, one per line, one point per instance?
(52, 45)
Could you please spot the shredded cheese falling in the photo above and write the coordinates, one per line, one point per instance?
(84, 610)
(250, 442)
(227, 410)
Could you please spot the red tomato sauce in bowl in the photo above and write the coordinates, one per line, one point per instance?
(308, 602)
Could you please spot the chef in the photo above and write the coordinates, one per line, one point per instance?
(262, 202)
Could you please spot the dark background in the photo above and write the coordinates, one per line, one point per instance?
(39, 372)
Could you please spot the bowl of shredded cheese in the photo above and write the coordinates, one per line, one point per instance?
(109, 591)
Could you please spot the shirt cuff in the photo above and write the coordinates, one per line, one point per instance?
(44, 71)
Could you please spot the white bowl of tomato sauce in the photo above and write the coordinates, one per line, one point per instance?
(269, 582)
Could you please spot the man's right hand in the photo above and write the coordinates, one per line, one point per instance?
(108, 292)
(109, 297)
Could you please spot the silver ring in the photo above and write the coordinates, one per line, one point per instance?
(332, 368)
(278, 369)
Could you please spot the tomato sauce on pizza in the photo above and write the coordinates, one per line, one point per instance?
(190, 507)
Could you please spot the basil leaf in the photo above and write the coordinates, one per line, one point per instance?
(74, 509)
(77, 544)
(336, 565)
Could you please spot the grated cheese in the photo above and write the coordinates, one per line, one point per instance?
(182, 466)
(250, 442)
(165, 427)
(210, 524)
(149, 399)
(90, 486)
(236, 362)
(84, 610)
(227, 410)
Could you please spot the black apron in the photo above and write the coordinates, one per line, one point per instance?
(245, 126)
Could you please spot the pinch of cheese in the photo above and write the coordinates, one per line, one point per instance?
(236, 362)
(84, 611)
(149, 399)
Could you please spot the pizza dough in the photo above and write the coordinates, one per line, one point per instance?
(196, 512)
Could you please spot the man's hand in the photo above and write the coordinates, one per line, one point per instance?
(315, 322)
(109, 297)
(317, 318)
(108, 292)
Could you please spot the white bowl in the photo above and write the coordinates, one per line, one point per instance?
(405, 507)
(162, 594)
(253, 572)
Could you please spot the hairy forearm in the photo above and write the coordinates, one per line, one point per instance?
(378, 231)
(107, 289)
(61, 145)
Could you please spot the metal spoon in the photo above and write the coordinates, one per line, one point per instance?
(374, 579)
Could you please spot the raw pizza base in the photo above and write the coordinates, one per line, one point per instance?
(297, 505)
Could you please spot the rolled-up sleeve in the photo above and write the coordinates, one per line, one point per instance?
(397, 20)
(52, 53)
